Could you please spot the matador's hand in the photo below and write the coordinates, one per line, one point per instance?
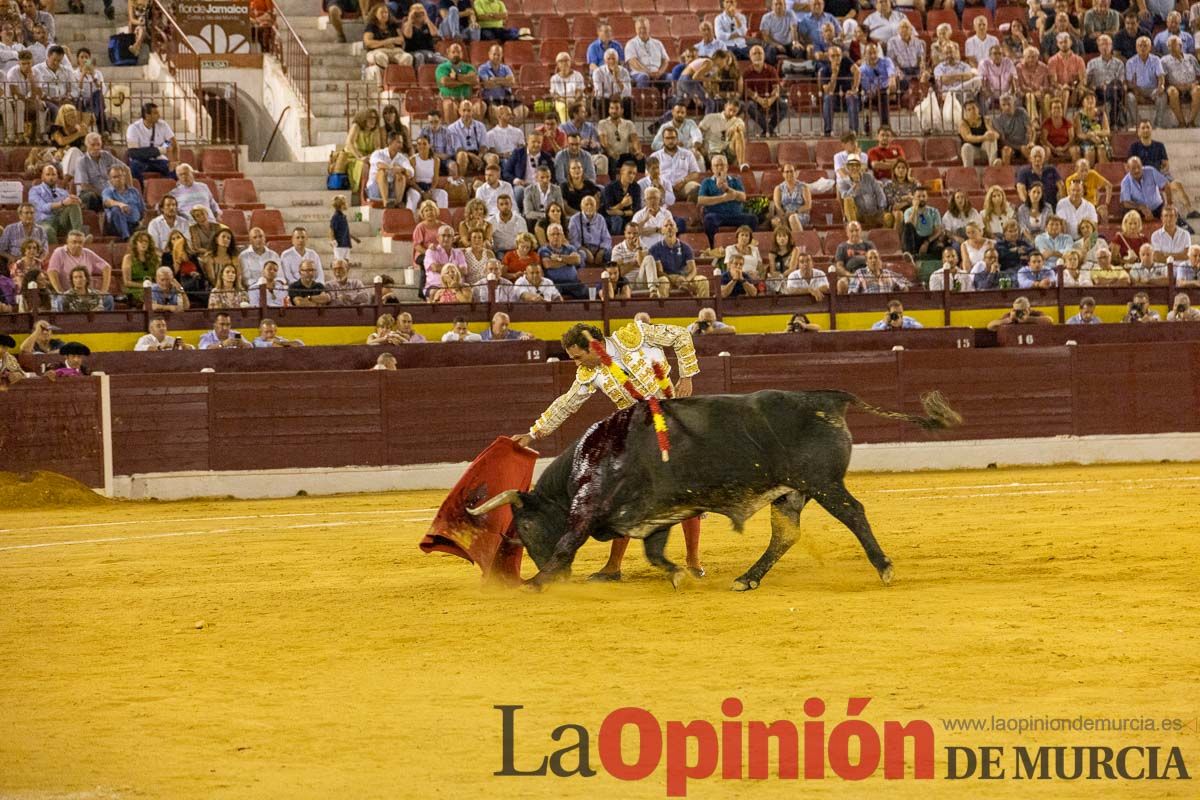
(683, 388)
(523, 439)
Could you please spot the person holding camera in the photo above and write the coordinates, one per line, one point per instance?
(707, 324)
(1020, 314)
(734, 282)
(1139, 310)
(1183, 311)
(896, 320)
(799, 324)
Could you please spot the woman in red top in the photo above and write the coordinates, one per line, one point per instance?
(515, 261)
(1058, 135)
(1128, 243)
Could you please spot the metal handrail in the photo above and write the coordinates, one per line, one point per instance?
(296, 63)
(169, 41)
(274, 132)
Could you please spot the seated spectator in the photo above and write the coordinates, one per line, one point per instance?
(645, 57)
(997, 75)
(629, 256)
(1074, 208)
(1074, 275)
(385, 332)
(997, 212)
(45, 292)
(539, 195)
(74, 254)
(168, 220)
(158, 339)
(405, 331)
(505, 139)
(74, 353)
(506, 226)
(1068, 70)
(907, 51)
(896, 319)
(1038, 171)
(675, 265)
(268, 336)
(500, 331)
(899, 191)
(461, 332)
(1182, 310)
(55, 209)
(221, 253)
(1093, 135)
(791, 200)
(953, 76)
(583, 146)
(977, 137)
(722, 198)
(1011, 124)
(453, 289)
(619, 141)
(1012, 250)
(222, 335)
(577, 187)
(725, 134)
(588, 233)
(611, 81)
(1106, 273)
(525, 253)
(190, 193)
(1034, 214)
(707, 324)
(1087, 312)
(1153, 153)
(555, 215)
(535, 287)
(561, 261)
(382, 41)
(386, 361)
(493, 278)
(493, 188)
(1139, 310)
(1035, 84)
(390, 173)
(863, 199)
(290, 259)
(734, 280)
(566, 86)
(419, 36)
(959, 215)
(167, 293)
(202, 231)
(1055, 242)
(1171, 241)
(805, 279)
(851, 255)
(365, 137)
(1057, 134)
(476, 255)
(41, 340)
(747, 248)
(1182, 75)
(678, 166)
(687, 132)
(1146, 271)
(15, 234)
(873, 278)
(456, 80)
(270, 290)
(1020, 314)
(492, 18)
(228, 290)
(1145, 81)
(475, 218)
(763, 89)
(79, 296)
(1142, 189)
(621, 200)
(91, 172)
(251, 259)
(1162, 39)
(440, 255)
(124, 207)
(1187, 274)
(951, 274)
(921, 231)
(1035, 274)
(344, 290)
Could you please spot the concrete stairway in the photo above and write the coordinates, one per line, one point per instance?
(1183, 148)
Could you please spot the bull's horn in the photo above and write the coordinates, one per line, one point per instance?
(510, 497)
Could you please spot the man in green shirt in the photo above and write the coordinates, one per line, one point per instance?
(491, 16)
(456, 80)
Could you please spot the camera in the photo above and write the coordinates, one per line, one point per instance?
(893, 316)
(1180, 309)
(1019, 314)
(794, 327)
(703, 325)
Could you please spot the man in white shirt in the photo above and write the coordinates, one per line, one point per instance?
(653, 180)
(611, 80)
(1073, 208)
(390, 172)
(652, 218)
(631, 256)
(725, 134)
(191, 193)
(151, 132)
(289, 260)
(884, 24)
(978, 48)
(685, 127)
(507, 225)
(460, 332)
(168, 220)
(504, 138)
(157, 339)
(10, 48)
(276, 288)
(645, 57)
(254, 256)
(493, 188)
(493, 270)
(56, 79)
(678, 166)
(535, 287)
(1170, 242)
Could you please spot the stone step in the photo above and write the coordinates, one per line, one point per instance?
(292, 169)
(283, 185)
(310, 196)
(328, 137)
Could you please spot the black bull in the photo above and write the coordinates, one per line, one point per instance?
(729, 455)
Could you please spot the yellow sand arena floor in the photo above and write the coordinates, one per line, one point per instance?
(305, 648)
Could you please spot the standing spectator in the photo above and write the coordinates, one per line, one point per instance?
(290, 260)
(456, 79)
(863, 199)
(152, 145)
(339, 229)
(124, 207)
(470, 135)
(722, 197)
(55, 209)
(66, 259)
(645, 57)
(251, 259)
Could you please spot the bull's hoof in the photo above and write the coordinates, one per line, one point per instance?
(744, 585)
(605, 577)
(887, 574)
(534, 586)
(697, 572)
(676, 579)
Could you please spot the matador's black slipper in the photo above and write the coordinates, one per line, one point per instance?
(605, 577)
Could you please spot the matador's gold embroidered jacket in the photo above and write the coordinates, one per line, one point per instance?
(635, 348)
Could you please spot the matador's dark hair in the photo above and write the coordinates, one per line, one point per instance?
(574, 337)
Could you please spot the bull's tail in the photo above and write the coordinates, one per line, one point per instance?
(938, 413)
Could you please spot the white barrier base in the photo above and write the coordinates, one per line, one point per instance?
(905, 457)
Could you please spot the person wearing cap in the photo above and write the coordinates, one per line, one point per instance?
(40, 339)
(75, 353)
(10, 370)
(863, 199)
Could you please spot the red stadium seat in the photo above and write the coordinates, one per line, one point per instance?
(935, 17)
(583, 28)
(638, 8)
(188, 156)
(219, 162)
(826, 150)
(538, 8)
(240, 193)
(1006, 15)
(519, 53)
(826, 213)
(574, 8)
(623, 28)
(697, 241)
(399, 78)
(926, 175)
(270, 220)
(553, 28)
(886, 240)
(965, 178)
(999, 175)
(398, 222)
(535, 76)
(671, 6)
(427, 76)
(942, 150)
(156, 189)
(808, 242)
(235, 220)
(16, 159)
(725, 238)
(680, 26)
(647, 103)
(1113, 171)
(479, 52)
(832, 239)
(914, 151)
(758, 154)
(794, 151)
(418, 103)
